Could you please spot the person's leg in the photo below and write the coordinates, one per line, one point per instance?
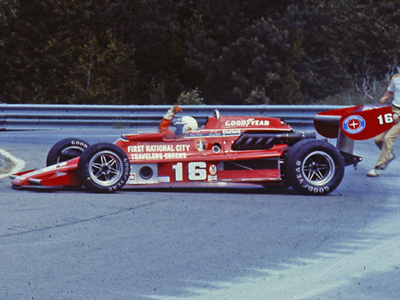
(387, 154)
(379, 139)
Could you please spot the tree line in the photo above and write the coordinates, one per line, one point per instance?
(227, 51)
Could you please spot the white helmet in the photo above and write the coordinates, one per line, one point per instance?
(185, 124)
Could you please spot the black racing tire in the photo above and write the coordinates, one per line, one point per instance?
(314, 167)
(65, 150)
(104, 168)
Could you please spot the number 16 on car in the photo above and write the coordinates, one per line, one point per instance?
(194, 171)
(386, 119)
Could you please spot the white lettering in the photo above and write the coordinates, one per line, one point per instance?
(174, 155)
(246, 123)
(146, 156)
(231, 131)
(159, 148)
(77, 143)
(182, 148)
(139, 148)
(157, 156)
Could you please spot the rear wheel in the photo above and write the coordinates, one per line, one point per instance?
(104, 168)
(314, 167)
(65, 150)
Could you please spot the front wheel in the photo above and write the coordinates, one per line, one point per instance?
(104, 168)
(314, 167)
(65, 150)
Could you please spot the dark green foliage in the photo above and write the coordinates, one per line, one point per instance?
(234, 52)
(62, 52)
(190, 98)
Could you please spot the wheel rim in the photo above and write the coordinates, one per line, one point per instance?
(318, 168)
(105, 168)
(70, 152)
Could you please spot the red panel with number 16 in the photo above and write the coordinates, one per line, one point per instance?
(367, 123)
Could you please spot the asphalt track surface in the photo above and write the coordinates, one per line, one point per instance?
(215, 243)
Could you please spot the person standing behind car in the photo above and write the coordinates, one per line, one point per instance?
(386, 140)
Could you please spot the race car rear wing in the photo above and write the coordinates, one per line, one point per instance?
(353, 123)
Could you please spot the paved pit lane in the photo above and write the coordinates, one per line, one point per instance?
(224, 243)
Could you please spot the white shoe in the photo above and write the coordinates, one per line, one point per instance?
(388, 161)
(374, 173)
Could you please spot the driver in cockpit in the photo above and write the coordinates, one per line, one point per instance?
(183, 125)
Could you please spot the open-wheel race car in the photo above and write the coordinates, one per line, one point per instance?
(227, 149)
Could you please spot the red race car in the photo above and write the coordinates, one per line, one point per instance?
(233, 149)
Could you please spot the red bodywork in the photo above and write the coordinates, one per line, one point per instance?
(204, 155)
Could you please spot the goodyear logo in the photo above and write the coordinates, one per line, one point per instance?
(246, 123)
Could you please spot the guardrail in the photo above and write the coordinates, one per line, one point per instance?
(44, 117)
